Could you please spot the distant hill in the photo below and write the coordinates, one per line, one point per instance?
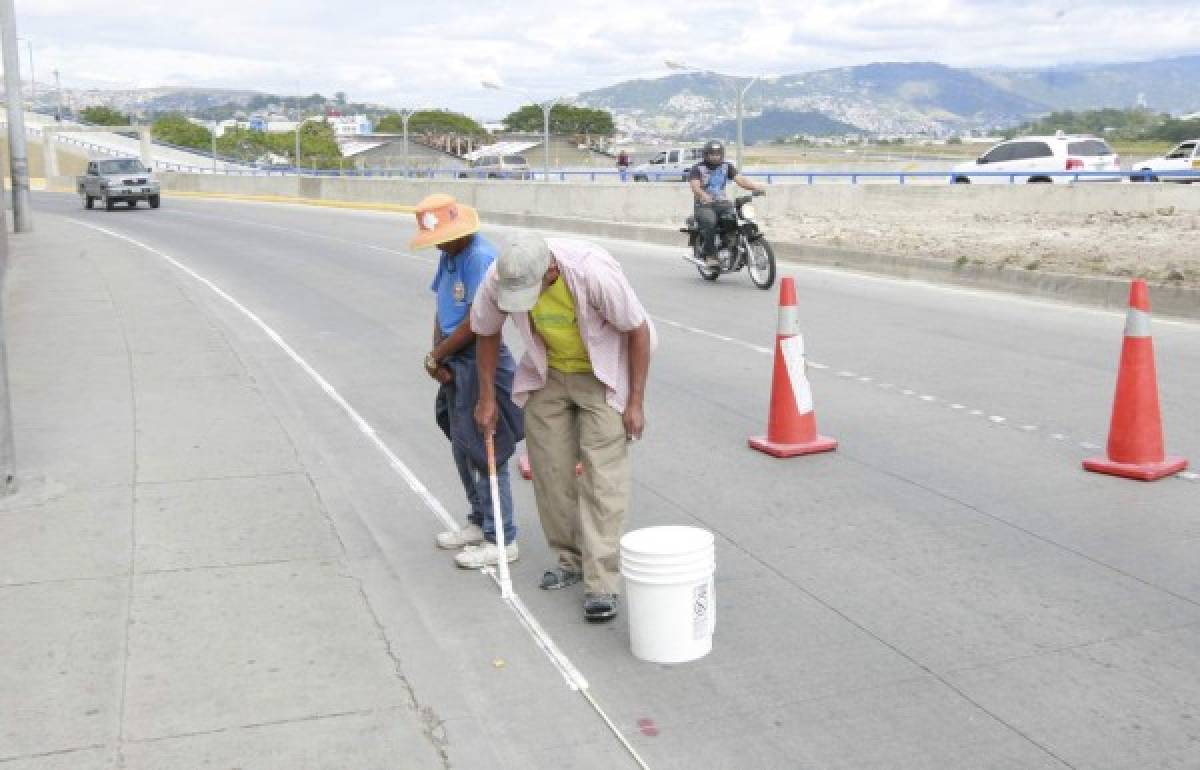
(903, 97)
(1165, 85)
(774, 124)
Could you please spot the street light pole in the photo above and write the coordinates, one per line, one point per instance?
(546, 132)
(405, 114)
(58, 105)
(739, 91)
(18, 159)
(546, 106)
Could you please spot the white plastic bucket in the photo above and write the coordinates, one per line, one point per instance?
(668, 575)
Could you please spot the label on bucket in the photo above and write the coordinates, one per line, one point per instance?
(701, 609)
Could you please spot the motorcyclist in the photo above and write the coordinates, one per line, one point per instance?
(708, 179)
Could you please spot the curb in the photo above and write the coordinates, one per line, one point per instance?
(1095, 291)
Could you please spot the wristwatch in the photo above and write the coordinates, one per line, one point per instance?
(431, 363)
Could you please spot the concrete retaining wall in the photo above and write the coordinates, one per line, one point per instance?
(667, 203)
(651, 213)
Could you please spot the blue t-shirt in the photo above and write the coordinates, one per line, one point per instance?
(457, 280)
(713, 180)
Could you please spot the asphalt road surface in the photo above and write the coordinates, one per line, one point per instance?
(947, 590)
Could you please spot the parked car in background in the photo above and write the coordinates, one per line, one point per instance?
(498, 167)
(1032, 159)
(119, 180)
(1184, 157)
(669, 165)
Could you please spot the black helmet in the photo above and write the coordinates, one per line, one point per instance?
(714, 153)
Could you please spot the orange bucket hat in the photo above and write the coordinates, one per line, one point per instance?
(440, 218)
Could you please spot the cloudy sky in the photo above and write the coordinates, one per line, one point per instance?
(437, 53)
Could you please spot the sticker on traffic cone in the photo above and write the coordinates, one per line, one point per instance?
(791, 423)
(527, 471)
(1135, 436)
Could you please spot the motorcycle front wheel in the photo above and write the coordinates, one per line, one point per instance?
(760, 262)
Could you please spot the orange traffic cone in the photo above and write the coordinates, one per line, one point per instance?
(791, 423)
(527, 471)
(1135, 437)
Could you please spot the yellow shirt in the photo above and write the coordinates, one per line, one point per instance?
(554, 318)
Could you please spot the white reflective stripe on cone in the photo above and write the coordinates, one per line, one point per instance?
(1137, 323)
(793, 358)
(789, 320)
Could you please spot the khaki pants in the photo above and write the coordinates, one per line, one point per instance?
(583, 519)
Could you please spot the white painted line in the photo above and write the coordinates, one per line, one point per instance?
(997, 419)
(886, 385)
(1189, 475)
(908, 392)
(568, 671)
(929, 398)
(1058, 436)
(975, 412)
(957, 406)
(864, 379)
(1088, 445)
(815, 365)
(1029, 428)
(846, 374)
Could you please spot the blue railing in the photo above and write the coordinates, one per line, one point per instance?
(563, 175)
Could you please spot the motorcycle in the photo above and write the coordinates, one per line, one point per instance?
(739, 244)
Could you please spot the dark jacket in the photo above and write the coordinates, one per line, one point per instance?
(455, 407)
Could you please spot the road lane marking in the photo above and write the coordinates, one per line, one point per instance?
(570, 673)
(725, 338)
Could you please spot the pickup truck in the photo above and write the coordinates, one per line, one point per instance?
(668, 165)
(119, 179)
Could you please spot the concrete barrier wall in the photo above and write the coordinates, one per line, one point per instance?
(667, 203)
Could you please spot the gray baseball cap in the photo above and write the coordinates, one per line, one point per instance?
(522, 263)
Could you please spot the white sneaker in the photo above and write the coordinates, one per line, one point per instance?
(454, 539)
(484, 555)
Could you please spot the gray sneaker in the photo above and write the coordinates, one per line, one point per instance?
(454, 539)
(599, 608)
(484, 555)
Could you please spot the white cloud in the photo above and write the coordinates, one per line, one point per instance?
(415, 54)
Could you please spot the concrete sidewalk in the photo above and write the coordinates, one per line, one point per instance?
(172, 591)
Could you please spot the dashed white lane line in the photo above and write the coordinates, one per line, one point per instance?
(998, 420)
(574, 678)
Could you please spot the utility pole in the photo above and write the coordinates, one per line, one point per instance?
(8, 461)
(18, 159)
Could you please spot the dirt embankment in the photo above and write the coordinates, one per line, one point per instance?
(1161, 245)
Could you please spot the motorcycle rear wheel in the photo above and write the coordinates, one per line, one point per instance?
(707, 273)
(760, 262)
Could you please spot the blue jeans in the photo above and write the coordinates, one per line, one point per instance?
(479, 495)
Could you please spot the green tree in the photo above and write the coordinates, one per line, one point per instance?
(1173, 130)
(104, 116)
(431, 121)
(176, 129)
(564, 119)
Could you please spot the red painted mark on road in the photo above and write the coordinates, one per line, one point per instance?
(647, 726)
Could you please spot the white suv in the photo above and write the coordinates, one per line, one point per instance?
(1033, 158)
(1183, 158)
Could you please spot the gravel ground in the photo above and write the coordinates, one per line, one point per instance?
(1160, 246)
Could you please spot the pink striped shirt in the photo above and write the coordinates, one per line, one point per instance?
(605, 309)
